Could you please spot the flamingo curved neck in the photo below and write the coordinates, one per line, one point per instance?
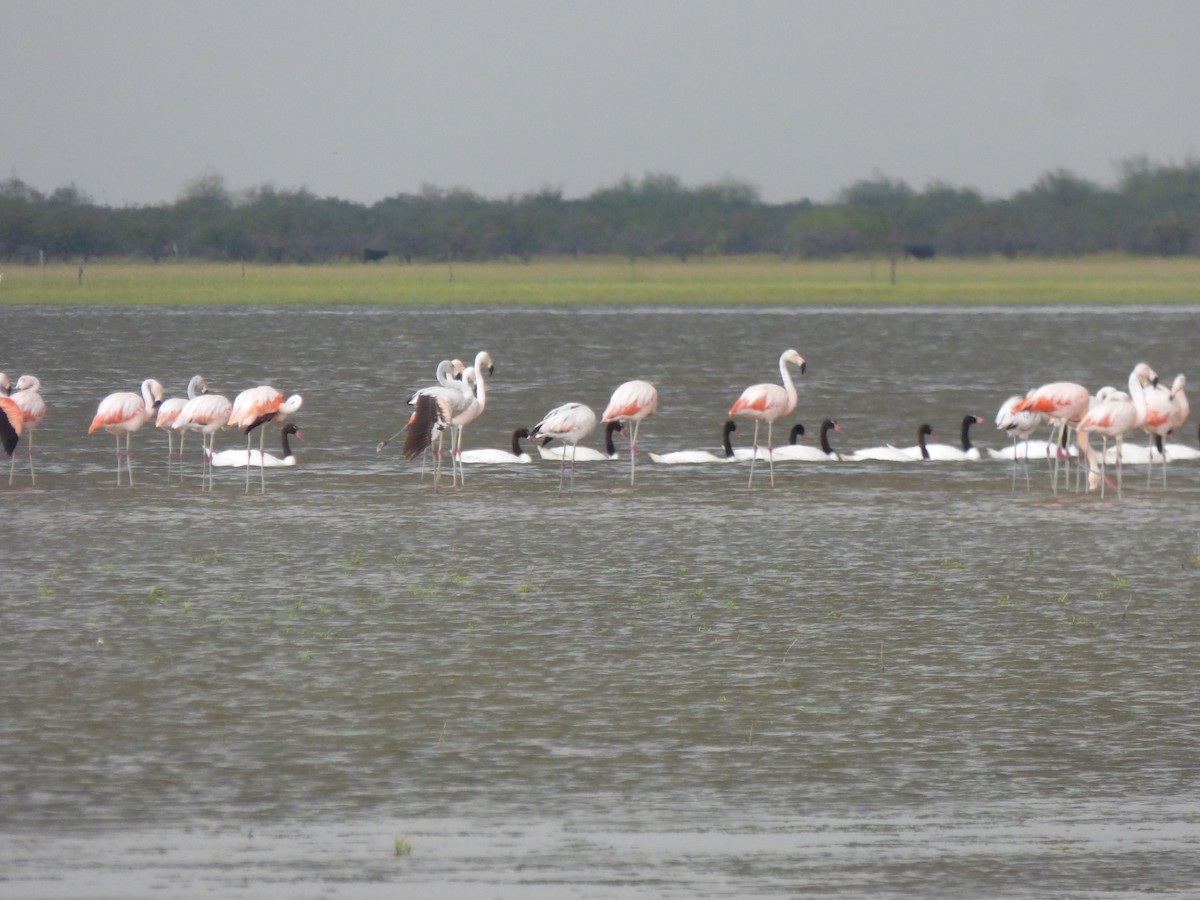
(788, 385)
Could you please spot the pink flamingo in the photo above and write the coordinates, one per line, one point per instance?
(767, 402)
(255, 407)
(634, 401)
(169, 409)
(206, 413)
(1113, 417)
(33, 408)
(1062, 402)
(124, 412)
(12, 422)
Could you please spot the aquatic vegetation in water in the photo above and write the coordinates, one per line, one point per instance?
(401, 847)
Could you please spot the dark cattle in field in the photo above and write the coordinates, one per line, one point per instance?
(370, 255)
(920, 251)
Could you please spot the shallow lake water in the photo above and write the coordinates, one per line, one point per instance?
(874, 679)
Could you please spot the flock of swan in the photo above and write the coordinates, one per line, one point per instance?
(459, 397)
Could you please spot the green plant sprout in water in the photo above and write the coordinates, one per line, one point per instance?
(401, 847)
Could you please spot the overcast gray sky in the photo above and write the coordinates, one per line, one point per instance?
(363, 100)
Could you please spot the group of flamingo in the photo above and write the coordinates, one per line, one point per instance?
(459, 397)
(1109, 413)
(124, 412)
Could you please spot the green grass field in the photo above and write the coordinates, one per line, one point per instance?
(730, 280)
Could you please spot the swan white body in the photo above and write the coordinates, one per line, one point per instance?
(238, 459)
(700, 457)
(950, 453)
(499, 457)
(794, 452)
(585, 454)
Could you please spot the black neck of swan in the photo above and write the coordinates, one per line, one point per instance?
(609, 447)
(921, 432)
(967, 422)
(726, 440)
(284, 432)
(516, 443)
(825, 426)
(796, 433)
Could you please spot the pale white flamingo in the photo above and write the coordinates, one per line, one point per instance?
(33, 408)
(767, 402)
(6, 388)
(1020, 427)
(570, 424)
(1063, 403)
(794, 451)
(584, 454)
(255, 407)
(208, 414)
(474, 409)
(124, 412)
(236, 459)
(1113, 417)
(632, 402)
(169, 409)
(691, 457)
(489, 455)
(435, 408)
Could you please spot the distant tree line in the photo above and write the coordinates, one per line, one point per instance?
(1153, 210)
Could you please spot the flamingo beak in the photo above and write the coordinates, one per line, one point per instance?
(803, 367)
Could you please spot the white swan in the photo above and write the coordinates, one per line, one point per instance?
(236, 459)
(888, 453)
(490, 455)
(584, 454)
(802, 452)
(950, 453)
(691, 457)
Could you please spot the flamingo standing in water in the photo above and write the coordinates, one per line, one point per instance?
(33, 409)
(1020, 427)
(1166, 410)
(1113, 417)
(208, 414)
(476, 404)
(12, 422)
(1062, 402)
(169, 409)
(124, 412)
(569, 423)
(435, 408)
(633, 401)
(255, 407)
(767, 402)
